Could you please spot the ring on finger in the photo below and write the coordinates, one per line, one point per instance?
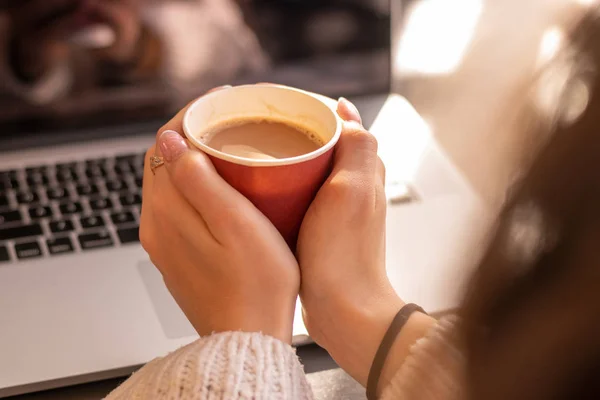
(155, 163)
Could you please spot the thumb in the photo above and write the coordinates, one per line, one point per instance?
(192, 173)
(356, 151)
(348, 111)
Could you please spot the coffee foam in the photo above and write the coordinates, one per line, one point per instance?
(214, 129)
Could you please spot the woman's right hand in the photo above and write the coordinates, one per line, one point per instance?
(347, 297)
(223, 261)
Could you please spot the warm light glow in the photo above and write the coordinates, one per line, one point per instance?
(551, 88)
(563, 92)
(552, 42)
(404, 138)
(576, 101)
(437, 36)
(586, 3)
(94, 37)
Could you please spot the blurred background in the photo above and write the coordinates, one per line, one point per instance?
(68, 64)
(472, 68)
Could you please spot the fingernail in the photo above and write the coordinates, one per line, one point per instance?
(353, 113)
(172, 145)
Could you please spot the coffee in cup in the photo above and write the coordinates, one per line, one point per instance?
(262, 138)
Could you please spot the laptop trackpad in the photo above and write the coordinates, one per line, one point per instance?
(172, 319)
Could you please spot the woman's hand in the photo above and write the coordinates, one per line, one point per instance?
(225, 264)
(347, 298)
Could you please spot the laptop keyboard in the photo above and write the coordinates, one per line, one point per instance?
(66, 208)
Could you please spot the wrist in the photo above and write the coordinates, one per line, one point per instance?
(274, 319)
(352, 330)
(281, 325)
(360, 328)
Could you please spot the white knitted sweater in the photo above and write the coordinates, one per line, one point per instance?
(236, 365)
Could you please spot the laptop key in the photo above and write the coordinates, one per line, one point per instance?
(37, 180)
(95, 171)
(4, 257)
(87, 189)
(60, 246)
(90, 241)
(58, 193)
(13, 184)
(129, 235)
(28, 197)
(71, 208)
(95, 221)
(28, 250)
(21, 231)
(138, 164)
(40, 212)
(10, 174)
(116, 186)
(101, 204)
(123, 217)
(3, 200)
(130, 199)
(62, 226)
(122, 168)
(66, 175)
(10, 216)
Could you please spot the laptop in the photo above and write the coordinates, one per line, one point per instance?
(80, 300)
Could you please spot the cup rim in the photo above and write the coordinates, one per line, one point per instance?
(258, 162)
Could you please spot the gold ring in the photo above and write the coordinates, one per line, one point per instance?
(156, 162)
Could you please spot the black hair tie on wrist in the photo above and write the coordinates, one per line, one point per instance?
(386, 344)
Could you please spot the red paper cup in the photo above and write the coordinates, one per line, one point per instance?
(282, 189)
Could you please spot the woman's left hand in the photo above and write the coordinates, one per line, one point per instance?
(223, 261)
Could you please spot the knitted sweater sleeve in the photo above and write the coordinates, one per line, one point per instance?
(232, 365)
(435, 368)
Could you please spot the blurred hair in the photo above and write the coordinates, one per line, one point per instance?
(532, 313)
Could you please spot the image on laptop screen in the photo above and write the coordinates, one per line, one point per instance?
(105, 63)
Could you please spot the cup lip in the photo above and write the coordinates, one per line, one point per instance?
(265, 163)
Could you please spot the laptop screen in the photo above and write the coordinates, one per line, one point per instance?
(75, 64)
